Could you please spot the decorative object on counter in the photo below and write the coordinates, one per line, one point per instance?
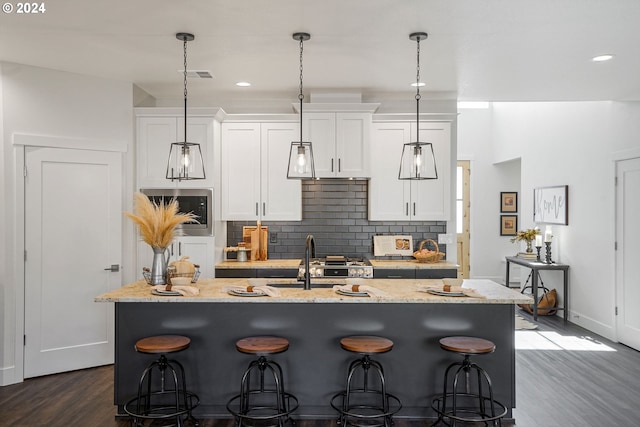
(359, 291)
(185, 158)
(256, 237)
(174, 290)
(182, 269)
(508, 225)
(157, 224)
(252, 291)
(426, 255)
(527, 236)
(418, 160)
(508, 201)
(392, 245)
(301, 164)
(551, 205)
(447, 290)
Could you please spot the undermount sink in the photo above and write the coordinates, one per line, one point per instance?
(301, 285)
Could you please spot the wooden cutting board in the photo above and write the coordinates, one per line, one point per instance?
(259, 241)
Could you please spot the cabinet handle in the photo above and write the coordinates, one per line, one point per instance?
(339, 165)
(264, 208)
(179, 248)
(331, 165)
(414, 208)
(406, 209)
(393, 277)
(257, 213)
(172, 249)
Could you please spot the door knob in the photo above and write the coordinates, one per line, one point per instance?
(114, 268)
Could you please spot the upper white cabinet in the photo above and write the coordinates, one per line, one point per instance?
(155, 134)
(340, 143)
(255, 158)
(391, 199)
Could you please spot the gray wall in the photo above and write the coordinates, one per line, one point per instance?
(335, 212)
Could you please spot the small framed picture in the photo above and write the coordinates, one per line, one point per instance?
(508, 225)
(508, 201)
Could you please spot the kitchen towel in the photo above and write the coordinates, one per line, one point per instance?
(185, 291)
(260, 290)
(468, 292)
(369, 290)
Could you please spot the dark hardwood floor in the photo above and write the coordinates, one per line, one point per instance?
(568, 380)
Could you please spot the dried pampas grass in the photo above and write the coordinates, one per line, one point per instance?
(157, 222)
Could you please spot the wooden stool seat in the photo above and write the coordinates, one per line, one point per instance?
(262, 345)
(467, 345)
(365, 344)
(162, 344)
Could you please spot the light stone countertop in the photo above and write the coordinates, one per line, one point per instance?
(269, 263)
(397, 290)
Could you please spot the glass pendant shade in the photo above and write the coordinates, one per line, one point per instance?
(185, 162)
(301, 161)
(185, 158)
(418, 161)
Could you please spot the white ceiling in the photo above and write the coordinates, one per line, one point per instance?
(489, 50)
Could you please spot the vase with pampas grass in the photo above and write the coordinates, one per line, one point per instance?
(157, 223)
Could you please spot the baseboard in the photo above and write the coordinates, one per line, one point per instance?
(8, 376)
(606, 331)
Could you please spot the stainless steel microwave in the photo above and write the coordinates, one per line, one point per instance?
(196, 200)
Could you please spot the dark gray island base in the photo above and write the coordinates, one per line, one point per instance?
(315, 366)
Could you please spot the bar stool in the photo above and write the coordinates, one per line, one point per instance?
(356, 404)
(171, 399)
(472, 412)
(257, 401)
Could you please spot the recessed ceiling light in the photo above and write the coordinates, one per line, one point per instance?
(243, 84)
(414, 84)
(602, 58)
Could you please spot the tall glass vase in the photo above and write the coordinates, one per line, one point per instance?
(159, 266)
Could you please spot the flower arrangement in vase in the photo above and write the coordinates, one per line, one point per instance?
(527, 236)
(157, 224)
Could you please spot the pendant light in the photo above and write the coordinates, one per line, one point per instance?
(418, 160)
(185, 158)
(301, 153)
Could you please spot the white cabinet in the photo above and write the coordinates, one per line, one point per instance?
(393, 199)
(154, 138)
(254, 180)
(340, 143)
(200, 250)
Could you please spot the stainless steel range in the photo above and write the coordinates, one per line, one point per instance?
(337, 266)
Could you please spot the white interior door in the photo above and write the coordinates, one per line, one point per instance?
(72, 234)
(628, 253)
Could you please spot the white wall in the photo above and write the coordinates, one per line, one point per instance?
(49, 103)
(565, 143)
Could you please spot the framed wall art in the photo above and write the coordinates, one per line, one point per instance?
(508, 201)
(508, 225)
(551, 205)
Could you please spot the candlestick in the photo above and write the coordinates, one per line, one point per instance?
(548, 255)
(538, 249)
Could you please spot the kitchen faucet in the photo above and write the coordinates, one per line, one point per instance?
(309, 247)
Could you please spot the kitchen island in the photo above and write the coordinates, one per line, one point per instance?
(314, 321)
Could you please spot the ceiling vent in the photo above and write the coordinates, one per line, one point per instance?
(197, 74)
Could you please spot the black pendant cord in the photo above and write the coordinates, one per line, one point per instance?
(301, 95)
(418, 96)
(185, 94)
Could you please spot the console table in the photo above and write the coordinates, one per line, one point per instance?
(535, 267)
